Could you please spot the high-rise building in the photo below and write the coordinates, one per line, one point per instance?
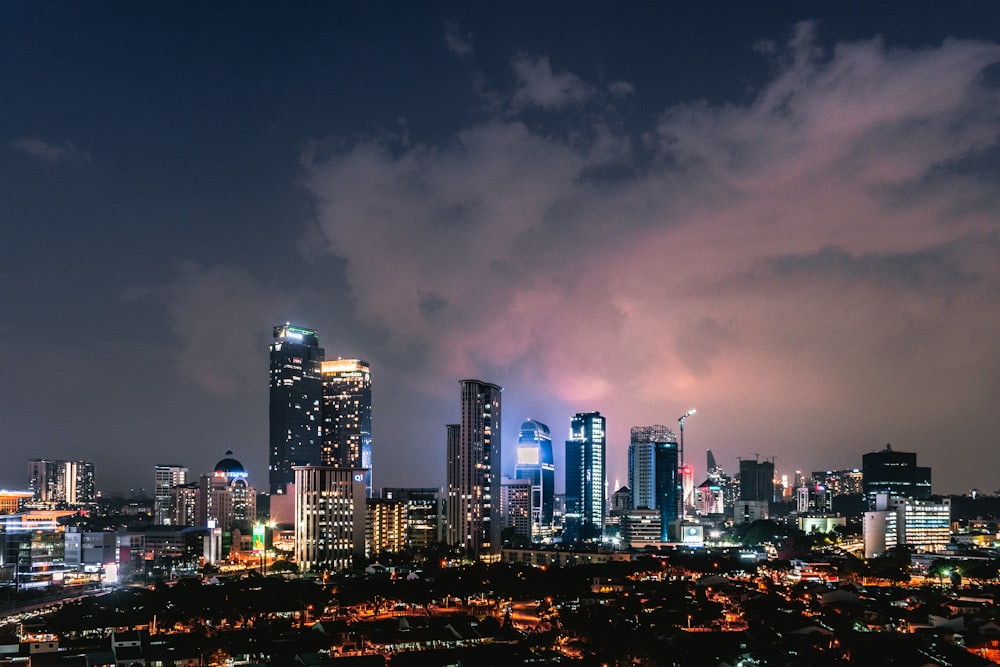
(424, 515)
(536, 464)
(347, 416)
(225, 498)
(894, 473)
(329, 517)
(516, 498)
(295, 404)
(756, 480)
(585, 451)
(653, 473)
(385, 526)
(166, 477)
(62, 482)
(922, 525)
(473, 474)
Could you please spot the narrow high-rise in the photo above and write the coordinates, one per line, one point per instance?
(165, 478)
(585, 457)
(296, 400)
(653, 473)
(347, 416)
(473, 476)
(535, 463)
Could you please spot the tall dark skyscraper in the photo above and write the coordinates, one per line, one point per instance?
(347, 416)
(756, 480)
(895, 473)
(653, 473)
(585, 457)
(295, 404)
(535, 463)
(473, 506)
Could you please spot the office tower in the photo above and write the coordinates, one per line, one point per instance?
(62, 482)
(894, 473)
(329, 517)
(474, 471)
(424, 515)
(225, 497)
(295, 403)
(347, 416)
(585, 451)
(756, 480)
(536, 464)
(756, 491)
(653, 473)
(516, 509)
(921, 525)
(166, 477)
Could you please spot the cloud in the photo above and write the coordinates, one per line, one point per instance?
(458, 43)
(222, 317)
(538, 85)
(46, 151)
(779, 262)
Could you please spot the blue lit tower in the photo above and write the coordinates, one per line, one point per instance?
(295, 404)
(585, 452)
(535, 463)
(652, 469)
(473, 475)
(347, 416)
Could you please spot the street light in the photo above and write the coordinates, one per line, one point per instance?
(680, 420)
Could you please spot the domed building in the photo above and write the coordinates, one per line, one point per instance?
(226, 497)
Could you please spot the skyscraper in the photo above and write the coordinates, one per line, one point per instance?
(329, 517)
(474, 471)
(295, 403)
(347, 416)
(535, 463)
(756, 480)
(585, 451)
(653, 473)
(166, 477)
(894, 473)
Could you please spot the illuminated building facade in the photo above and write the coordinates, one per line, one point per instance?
(918, 524)
(13, 501)
(710, 498)
(654, 475)
(841, 482)
(296, 397)
(535, 463)
(424, 515)
(184, 504)
(516, 507)
(329, 517)
(57, 482)
(166, 477)
(225, 497)
(585, 469)
(473, 474)
(347, 415)
(385, 526)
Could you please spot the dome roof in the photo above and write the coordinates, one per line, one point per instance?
(230, 467)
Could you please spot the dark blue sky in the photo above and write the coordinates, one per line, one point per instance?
(782, 213)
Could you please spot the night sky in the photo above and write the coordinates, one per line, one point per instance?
(786, 215)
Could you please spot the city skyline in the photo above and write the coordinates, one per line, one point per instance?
(785, 218)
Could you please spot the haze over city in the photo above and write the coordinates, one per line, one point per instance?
(784, 215)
